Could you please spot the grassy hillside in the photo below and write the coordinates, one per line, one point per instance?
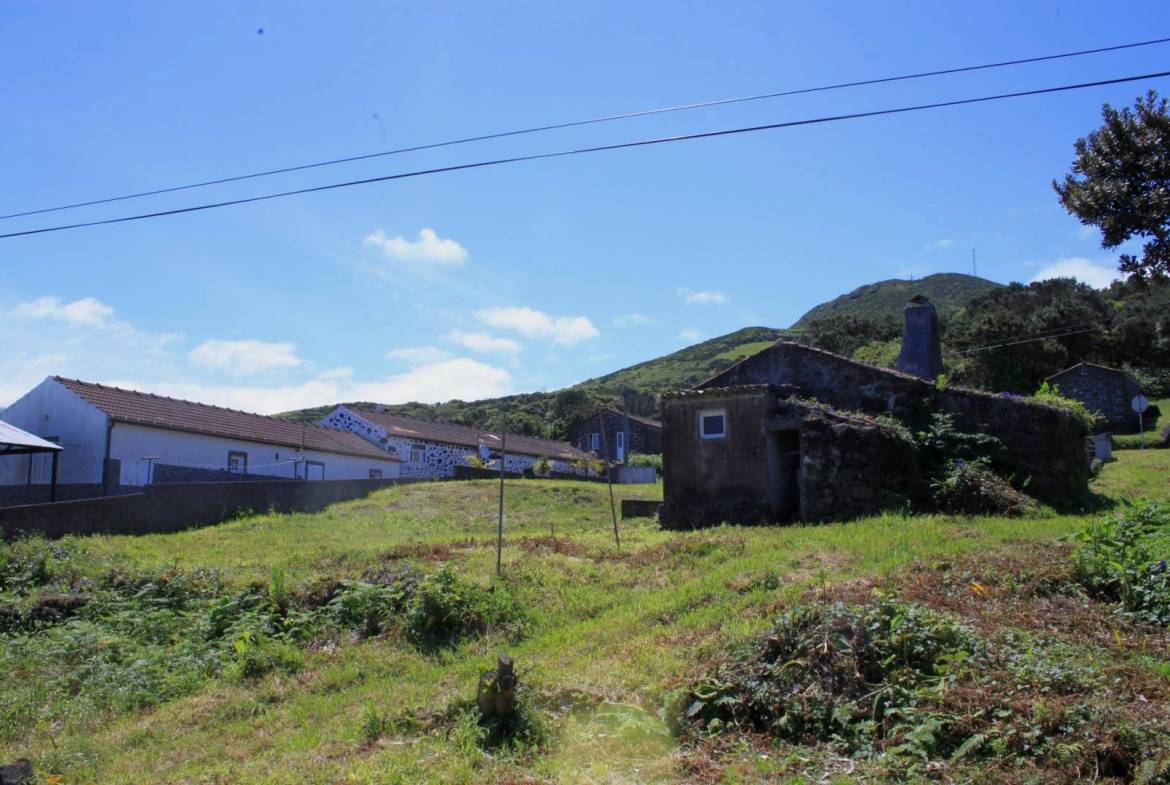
(883, 301)
(550, 414)
(309, 648)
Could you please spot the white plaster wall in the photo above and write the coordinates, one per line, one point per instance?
(51, 410)
(133, 443)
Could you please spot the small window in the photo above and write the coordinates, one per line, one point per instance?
(713, 424)
(595, 441)
(237, 462)
(417, 453)
(375, 474)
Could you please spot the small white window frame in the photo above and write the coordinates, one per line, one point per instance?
(595, 440)
(422, 453)
(712, 413)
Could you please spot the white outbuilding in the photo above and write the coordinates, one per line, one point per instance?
(111, 438)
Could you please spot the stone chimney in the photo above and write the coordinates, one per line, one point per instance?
(921, 353)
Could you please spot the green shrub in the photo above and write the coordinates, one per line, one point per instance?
(255, 654)
(1049, 395)
(643, 460)
(1123, 559)
(368, 607)
(446, 609)
(832, 673)
(971, 488)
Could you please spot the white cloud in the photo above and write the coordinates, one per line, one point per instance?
(1095, 274)
(562, 330)
(429, 247)
(418, 355)
(460, 377)
(633, 320)
(88, 311)
(484, 343)
(706, 297)
(690, 334)
(245, 357)
(938, 245)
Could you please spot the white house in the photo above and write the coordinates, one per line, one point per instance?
(114, 437)
(430, 449)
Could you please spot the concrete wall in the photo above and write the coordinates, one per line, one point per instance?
(50, 410)
(165, 508)
(132, 444)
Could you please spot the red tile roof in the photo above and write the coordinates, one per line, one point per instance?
(465, 436)
(157, 411)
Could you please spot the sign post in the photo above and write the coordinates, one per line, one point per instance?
(1139, 404)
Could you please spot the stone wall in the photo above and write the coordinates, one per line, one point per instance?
(847, 466)
(644, 439)
(1104, 391)
(1044, 444)
(166, 508)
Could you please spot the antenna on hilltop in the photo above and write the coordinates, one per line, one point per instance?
(974, 269)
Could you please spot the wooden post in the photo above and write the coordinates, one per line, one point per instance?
(500, 526)
(53, 480)
(609, 479)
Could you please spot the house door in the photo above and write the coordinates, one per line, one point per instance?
(620, 446)
(314, 470)
(784, 475)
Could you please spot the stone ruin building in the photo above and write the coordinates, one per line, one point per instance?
(794, 433)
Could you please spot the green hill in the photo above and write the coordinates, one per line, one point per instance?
(549, 414)
(883, 301)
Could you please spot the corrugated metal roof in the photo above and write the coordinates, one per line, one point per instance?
(158, 411)
(11, 436)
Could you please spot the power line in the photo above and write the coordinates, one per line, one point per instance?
(590, 121)
(585, 150)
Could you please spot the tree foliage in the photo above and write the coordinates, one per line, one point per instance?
(1120, 183)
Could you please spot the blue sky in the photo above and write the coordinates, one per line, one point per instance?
(519, 278)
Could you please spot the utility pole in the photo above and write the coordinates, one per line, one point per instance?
(500, 526)
(625, 428)
(609, 479)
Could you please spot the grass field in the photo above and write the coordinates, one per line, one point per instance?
(604, 638)
(1152, 437)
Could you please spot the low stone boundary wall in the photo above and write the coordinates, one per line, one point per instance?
(173, 506)
(640, 508)
(475, 473)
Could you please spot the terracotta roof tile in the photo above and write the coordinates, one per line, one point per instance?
(157, 411)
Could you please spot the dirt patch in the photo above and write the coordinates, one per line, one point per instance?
(563, 547)
(1027, 587)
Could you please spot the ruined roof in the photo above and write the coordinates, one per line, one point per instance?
(1094, 366)
(814, 351)
(647, 421)
(174, 414)
(467, 436)
(735, 389)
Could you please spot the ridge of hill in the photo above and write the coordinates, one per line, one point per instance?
(882, 301)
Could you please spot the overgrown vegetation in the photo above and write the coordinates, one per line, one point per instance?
(919, 692)
(131, 673)
(73, 645)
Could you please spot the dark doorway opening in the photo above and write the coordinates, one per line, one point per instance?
(784, 475)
